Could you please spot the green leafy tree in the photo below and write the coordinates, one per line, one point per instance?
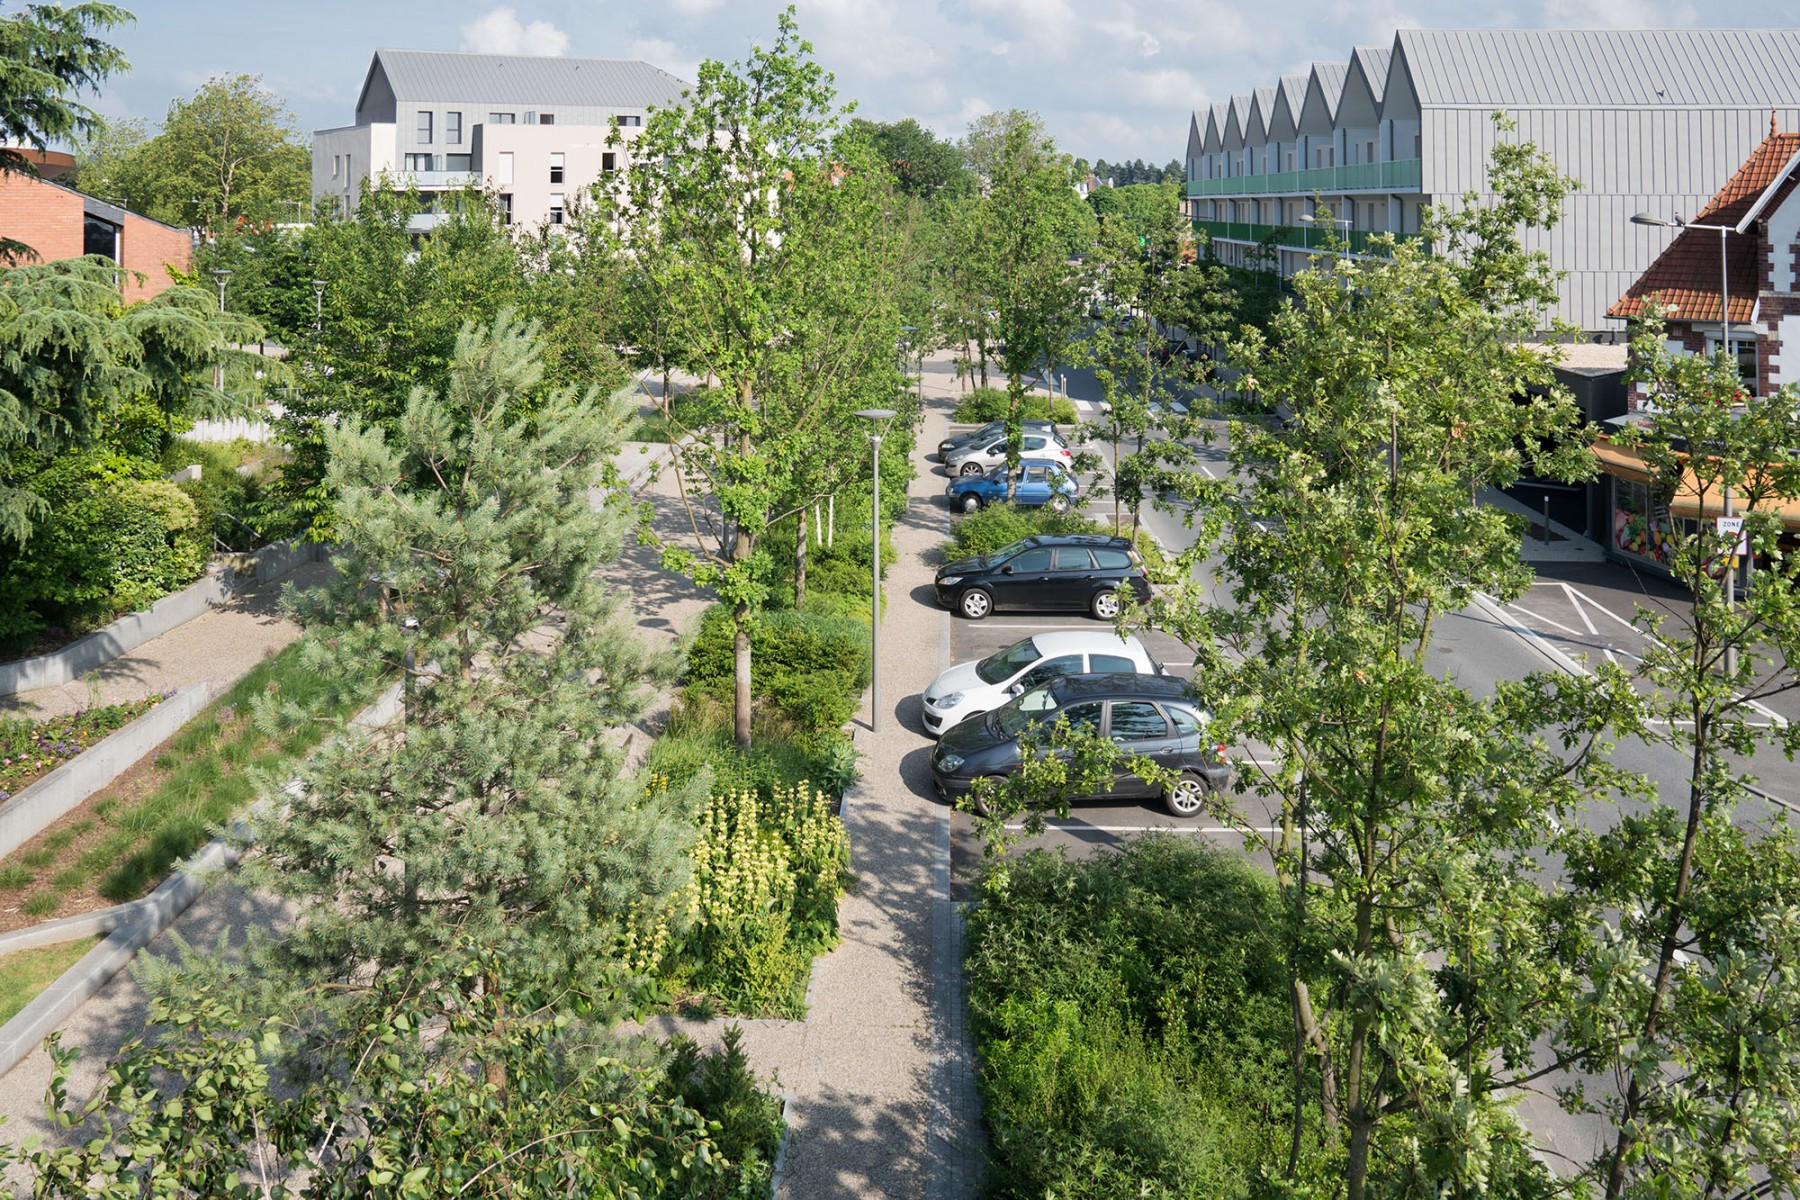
(227, 154)
(925, 166)
(48, 51)
(1021, 231)
(1147, 208)
(495, 839)
(1684, 1026)
(728, 208)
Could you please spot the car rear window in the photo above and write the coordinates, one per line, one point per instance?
(1112, 560)
(1073, 558)
(1136, 721)
(1186, 719)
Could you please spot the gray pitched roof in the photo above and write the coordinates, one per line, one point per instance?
(1262, 101)
(1331, 83)
(440, 76)
(1293, 89)
(1374, 60)
(1523, 68)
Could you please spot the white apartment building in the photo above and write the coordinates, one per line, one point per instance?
(1643, 120)
(533, 129)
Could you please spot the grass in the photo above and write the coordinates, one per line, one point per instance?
(24, 974)
(128, 841)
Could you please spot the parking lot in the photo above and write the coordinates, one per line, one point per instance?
(1090, 824)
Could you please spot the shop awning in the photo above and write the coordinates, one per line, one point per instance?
(1623, 462)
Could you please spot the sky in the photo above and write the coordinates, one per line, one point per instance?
(1117, 81)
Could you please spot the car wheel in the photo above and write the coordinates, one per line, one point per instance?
(977, 803)
(1105, 605)
(976, 604)
(970, 503)
(971, 468)
(1059, 503)
(1186, 796)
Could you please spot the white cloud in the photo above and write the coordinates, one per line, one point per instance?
(500, 31)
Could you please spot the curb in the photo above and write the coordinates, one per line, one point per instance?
(781, 1151)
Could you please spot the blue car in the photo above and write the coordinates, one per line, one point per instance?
(1037, 482)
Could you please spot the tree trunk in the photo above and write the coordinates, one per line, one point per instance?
(740, 717)
(800, 561)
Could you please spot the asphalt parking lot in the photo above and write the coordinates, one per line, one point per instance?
(1091, 824)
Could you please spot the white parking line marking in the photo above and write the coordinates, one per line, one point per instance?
(1579, 611)
(1522, 610)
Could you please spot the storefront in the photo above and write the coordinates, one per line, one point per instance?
(1646, 518)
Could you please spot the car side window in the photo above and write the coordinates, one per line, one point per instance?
(1034, 443)
(1112, 662)
(1112, 560)
(1083, 718)
(1073, 558)
(1186, 720)
(1035, 474)
(1136, 721)
(1032, 560)
(1044, 672)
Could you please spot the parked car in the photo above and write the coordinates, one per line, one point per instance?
(1154, 716)
(972, 688)
(1034, 483)
(1049, 572)
(988, 432)
(974, 458)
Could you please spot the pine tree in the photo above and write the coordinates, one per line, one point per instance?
(491, 838)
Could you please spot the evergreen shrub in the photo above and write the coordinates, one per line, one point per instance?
(809, 668)
(992, 404)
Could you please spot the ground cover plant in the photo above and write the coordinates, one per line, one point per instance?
(1122, 1055)
(26, 973)
(125, 840)
(30, 749)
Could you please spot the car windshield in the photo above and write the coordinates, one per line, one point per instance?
(1035, 705)
(1008, 662)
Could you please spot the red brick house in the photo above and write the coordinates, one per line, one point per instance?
(59, 222)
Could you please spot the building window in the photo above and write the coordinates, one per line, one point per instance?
(500, 119)
(453, 129)
(546, 118)
(459, 162)
(556, 168)
(633, 121)
(424, 129)
(337, 165)
(99, 236)
(1368, 151)
(506, 207)
(503, 173)
(419, 162)
(556, 209)
(606, 161)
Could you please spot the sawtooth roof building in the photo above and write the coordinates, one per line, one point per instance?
(1644, 120)
(534, 129)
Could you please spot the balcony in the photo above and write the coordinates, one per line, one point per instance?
(436, 181)
(1401, 175)
(1289, 237)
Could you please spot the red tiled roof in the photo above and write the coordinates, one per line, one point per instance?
(1684, 279)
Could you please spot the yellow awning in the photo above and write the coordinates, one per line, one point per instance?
(1623, 462)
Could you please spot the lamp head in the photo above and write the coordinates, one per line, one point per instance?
(876, 414)
(1644, 218)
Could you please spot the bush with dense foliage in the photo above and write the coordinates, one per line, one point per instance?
(229, 495)
(810, 668)
(996, 526)
(986, 404)
(1131, 1017)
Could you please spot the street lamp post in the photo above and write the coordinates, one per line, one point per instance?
(878, 419)
(220, 275)
(318, 306)
(906, 349)
(1644, 218)
(1343, 224)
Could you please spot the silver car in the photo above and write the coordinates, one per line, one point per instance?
(976, 457)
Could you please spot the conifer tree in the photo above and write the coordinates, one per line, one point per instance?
(490, 837)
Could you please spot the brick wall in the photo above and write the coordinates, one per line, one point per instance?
(49, 220)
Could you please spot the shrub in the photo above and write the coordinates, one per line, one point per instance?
(720, 1086)
(810, 668)
(999, 525)
(992, 404)
(698, 738)
(768, 871)
(1131, 1021)
(226, 503)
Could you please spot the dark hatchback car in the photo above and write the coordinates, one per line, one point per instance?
(1052, 572)
(1154, 716)
(992, 429)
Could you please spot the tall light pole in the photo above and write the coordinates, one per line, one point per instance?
(1645, 218)
(906, 349)
(221, 275)
(1343, 224)
(318, 306)
(878, 419)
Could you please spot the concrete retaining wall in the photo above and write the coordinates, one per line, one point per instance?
(33, 810)
(129, 632)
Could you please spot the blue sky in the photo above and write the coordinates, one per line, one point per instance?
(1112, 80)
